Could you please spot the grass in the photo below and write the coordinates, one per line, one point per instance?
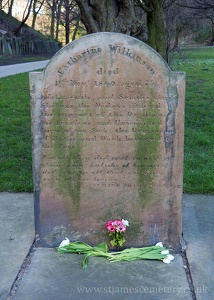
(15, 136)
(199, 119)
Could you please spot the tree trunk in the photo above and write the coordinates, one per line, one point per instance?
(212, 39)
(151, 30)
(177, 36)
(109, 16)
(67, 27)
(34, 20)
(76, 29)
(156, 28)
(123, 16)
(10, 8)
(58, 15)
(160, 34)
(53, 9)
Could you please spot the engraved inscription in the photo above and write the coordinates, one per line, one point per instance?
(118, 119)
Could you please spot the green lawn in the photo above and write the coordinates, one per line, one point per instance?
(199, 119)
(15, 136)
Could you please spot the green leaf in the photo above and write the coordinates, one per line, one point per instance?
(85, 261)
(101, 247)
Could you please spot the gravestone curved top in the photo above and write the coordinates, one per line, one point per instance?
(115, 43)
(107, 126)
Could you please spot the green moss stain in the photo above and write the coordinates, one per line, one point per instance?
(147, 147)
(67, 156)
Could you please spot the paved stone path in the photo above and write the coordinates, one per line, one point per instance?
(22, 68)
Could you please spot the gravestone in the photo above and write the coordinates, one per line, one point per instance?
(107, 127)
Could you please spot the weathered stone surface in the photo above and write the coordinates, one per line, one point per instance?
(107, 124)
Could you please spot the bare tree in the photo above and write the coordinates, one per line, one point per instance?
(37, 5)
(70, 17)
(52, 4)
(25, 16)
(177, 20)
(200, 10)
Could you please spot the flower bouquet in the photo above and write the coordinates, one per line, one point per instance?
(116, 229)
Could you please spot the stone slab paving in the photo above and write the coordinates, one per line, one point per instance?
(60, 276)
(198, 224)
(17, 235)
(51, 275)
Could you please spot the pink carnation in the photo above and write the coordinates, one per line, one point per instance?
(110, 222)
(110, 226)
(121, 228)
(117, 223)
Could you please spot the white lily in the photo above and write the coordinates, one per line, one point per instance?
(160, 244)
(165, 252)
(170, 257)
(64, 243)
(166, 261)
(125, 222)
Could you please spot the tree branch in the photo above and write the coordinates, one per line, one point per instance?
(198, 5)
(16, 31)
